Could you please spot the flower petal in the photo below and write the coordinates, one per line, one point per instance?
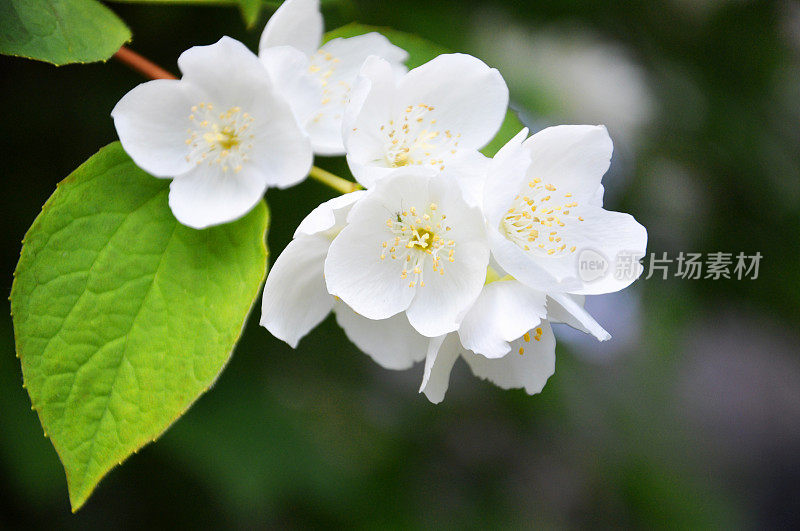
(442, 302)
(288, 70)
(470, 98)
(556, 313)
(571, 157)
(337, 65)
(392, 342)
(530, 370)
(528, 270)
(506, 174)
(332, 214)
(296, 23)
(597, 197)
(295, 298)
(469, 169)
(151, 122)
(227, 71)
(206, 196)
(504, 311)
(569, 309)
(371, 106)
(280, 150)
(441, 356)
(353, 51)
(614, 235)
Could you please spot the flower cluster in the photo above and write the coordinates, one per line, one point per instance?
(446, 253)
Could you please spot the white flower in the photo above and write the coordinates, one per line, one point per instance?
(296, 299)
(220, 132)
(411, 244)
(543, 207)
(436, 116)
(317, 80)
(504, 338)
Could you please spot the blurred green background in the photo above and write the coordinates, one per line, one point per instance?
(689, 417)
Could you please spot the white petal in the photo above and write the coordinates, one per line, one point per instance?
(295, 297)
(392, 342)
(367, 174)
(227, 71)
(504, 311)
(339, 61)
(280, 150)
(529, 270)
(506, 174)
(442, 354)
(556, 313)
(208, 196)
(613, 235)
(353, 51)
(567, 309)
(470, 98)
(332, 214)
(597, 197)
(296, 23)
(469, 169)
(442, 302)
(288, 70)
(371, 105)
(571, 157)
(151, 122)
(529, 370)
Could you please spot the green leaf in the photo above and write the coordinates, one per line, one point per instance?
(122, 316)
(421, 51)
(60, 31)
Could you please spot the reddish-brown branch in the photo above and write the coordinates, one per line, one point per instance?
(144, 66)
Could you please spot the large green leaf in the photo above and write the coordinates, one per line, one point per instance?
(122, 316)
(60, 31)
(421, 51)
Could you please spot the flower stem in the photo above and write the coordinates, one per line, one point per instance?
(144, 66)
(334, 181)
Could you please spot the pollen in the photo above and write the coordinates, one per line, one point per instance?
(223, 139)
(538, 222)
(414, 139)
(324, 66)
(415, 237)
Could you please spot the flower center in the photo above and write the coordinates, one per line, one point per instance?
(415, 139)
(538, 218)
(416, 240)
(219, 138)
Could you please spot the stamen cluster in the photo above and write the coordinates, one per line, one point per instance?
(220, 138)
(417, 240)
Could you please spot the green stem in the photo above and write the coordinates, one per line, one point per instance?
(334, 181)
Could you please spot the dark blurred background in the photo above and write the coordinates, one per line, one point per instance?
(689, 417)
